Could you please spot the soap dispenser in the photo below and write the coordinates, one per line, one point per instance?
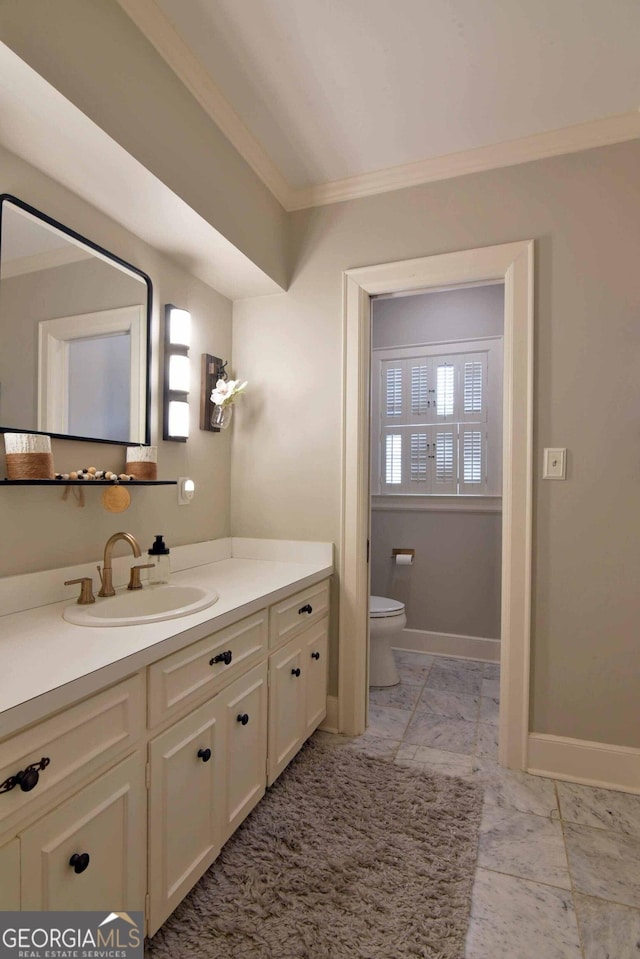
(159, 554)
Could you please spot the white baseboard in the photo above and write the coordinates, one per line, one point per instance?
(330, 722)
(449, 644)
(580, 761)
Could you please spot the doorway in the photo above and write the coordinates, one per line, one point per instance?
(436, 461)
(512, 264)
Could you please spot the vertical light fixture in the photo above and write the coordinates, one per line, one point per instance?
(177, 339)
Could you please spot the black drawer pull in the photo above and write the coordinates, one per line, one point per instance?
(315, 655)
(79, 861)
(295, 672)
(225, 658)
(305, 609)
(243, 718)
(27, 778)
(204, 755)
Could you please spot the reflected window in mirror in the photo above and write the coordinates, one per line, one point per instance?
(74, 333)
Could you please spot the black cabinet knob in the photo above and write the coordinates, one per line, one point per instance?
(315, 655)
(204, 755)
(225, 658)
(27, 778)
(243, 718)
(295, 672)
(305, 609)
(79, 861)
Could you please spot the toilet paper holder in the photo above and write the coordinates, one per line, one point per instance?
(408, 556)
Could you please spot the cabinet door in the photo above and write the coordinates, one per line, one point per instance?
(315, 657)
(186, 767)
(10, 876)
(286, 707)
(245, 747)
(90, 852)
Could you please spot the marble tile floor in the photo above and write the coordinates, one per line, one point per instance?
(558, 872)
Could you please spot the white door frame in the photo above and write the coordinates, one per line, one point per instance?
(511, 263)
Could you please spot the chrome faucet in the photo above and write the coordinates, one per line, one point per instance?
(106, 573)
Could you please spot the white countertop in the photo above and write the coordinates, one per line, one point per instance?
(47, 663)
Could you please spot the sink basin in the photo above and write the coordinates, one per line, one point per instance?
(152, 604)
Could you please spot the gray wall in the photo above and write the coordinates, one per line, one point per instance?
(453, 585)
(583, 211)
(437, 317)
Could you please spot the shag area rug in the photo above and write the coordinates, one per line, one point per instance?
(346, 857)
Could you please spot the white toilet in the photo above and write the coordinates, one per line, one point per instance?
(387, 619)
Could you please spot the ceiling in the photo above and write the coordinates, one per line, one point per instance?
(334, 98)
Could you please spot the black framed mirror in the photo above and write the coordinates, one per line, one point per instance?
(75, 333)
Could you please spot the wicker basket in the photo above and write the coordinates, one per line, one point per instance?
(142, 462)
(28, 456)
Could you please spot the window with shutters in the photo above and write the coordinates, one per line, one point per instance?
(439, 419)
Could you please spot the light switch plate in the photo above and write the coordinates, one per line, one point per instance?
(554, 464)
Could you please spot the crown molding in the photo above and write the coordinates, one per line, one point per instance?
(159, 31)
(583, 136)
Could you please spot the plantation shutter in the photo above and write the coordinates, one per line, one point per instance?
(392, 460)
(393, 390)
(420, 373)
(432, 410)
(445, 375)
(418, 461)
(473, 455)
(446, 460)
(473, 384)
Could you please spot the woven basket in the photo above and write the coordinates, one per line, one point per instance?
(29, 466)
(28, 456)
(142, 462)
(141, 471)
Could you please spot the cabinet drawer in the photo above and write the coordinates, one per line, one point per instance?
(192, 674)
(294, 614)
(75, 742)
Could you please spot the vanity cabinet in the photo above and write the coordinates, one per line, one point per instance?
(137, 787)
(185, 802)
(207, 772)
(245, 747)
(298, 687)
(298, 638)
(90, 852)
(10, 875)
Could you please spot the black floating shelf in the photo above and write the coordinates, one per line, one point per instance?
(88, 483)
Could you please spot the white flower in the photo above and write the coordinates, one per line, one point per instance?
(226, 391)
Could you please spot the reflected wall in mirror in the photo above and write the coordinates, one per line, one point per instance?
(74, 333)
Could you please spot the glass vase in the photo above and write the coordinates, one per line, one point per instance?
(221, 416)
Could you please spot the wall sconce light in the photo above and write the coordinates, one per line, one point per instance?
(212, 370)
(177, 339)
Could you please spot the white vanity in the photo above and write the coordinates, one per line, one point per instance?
(142, 748)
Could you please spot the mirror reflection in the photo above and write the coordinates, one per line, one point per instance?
(74, 333)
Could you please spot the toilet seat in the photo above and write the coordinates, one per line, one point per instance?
(382, 608)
